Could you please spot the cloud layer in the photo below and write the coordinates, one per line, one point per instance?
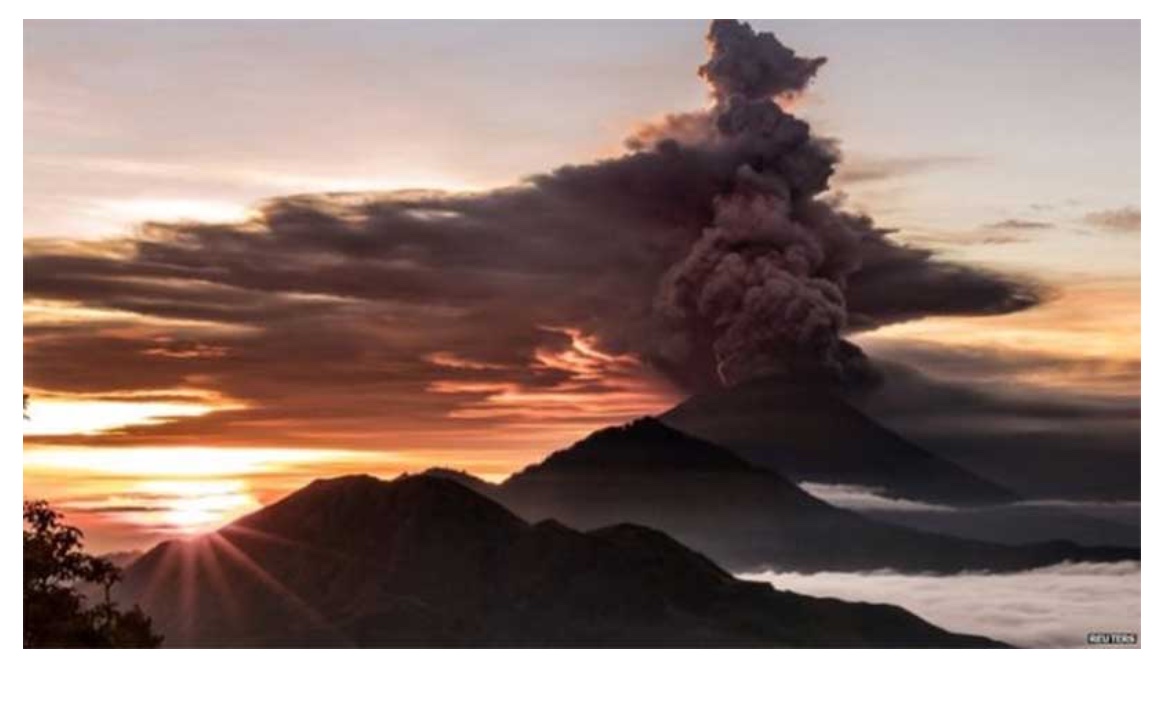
(1087, 522)
(1043, 608)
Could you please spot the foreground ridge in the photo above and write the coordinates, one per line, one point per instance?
(424, 561)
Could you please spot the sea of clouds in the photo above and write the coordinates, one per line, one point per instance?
(1051, 607)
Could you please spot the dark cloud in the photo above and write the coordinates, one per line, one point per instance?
(995, 240)
(901, 283)
(708, 244)
(972, 366)
(1126, 219)
(1037, 441)
(118, 509)
(754, 64)
(777, 278)
(1026, 224)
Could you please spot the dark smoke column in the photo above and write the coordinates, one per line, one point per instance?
(766, 282)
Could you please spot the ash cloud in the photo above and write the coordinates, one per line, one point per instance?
(897, 283)
(766, 286)
(755, 65)
(708, 252)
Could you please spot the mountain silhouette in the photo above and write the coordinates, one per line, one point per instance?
(743, 516)
(424, 561)
(808, 432)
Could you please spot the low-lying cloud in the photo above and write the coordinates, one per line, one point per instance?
(865, 499)
(1052, 607)
(1087, 522)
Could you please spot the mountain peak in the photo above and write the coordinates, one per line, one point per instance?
(746, 515)
(643, 446)
(461, 477)
(339, 512)
(809, 432)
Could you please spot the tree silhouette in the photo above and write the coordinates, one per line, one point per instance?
(55, 570)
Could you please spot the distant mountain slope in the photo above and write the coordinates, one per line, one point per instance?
(741, 515)
(424, 561)
(121, 559)
(808, 433)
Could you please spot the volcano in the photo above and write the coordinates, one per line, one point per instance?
(744, 516)
(424, 561)
(808, 432)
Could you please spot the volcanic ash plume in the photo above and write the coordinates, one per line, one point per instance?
(767, 280)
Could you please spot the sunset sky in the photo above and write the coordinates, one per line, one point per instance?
(185, 371)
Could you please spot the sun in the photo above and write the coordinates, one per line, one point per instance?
(194, 506)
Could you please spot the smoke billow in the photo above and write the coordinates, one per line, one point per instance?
(753, 65)
(767, 280)
(709, 252)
